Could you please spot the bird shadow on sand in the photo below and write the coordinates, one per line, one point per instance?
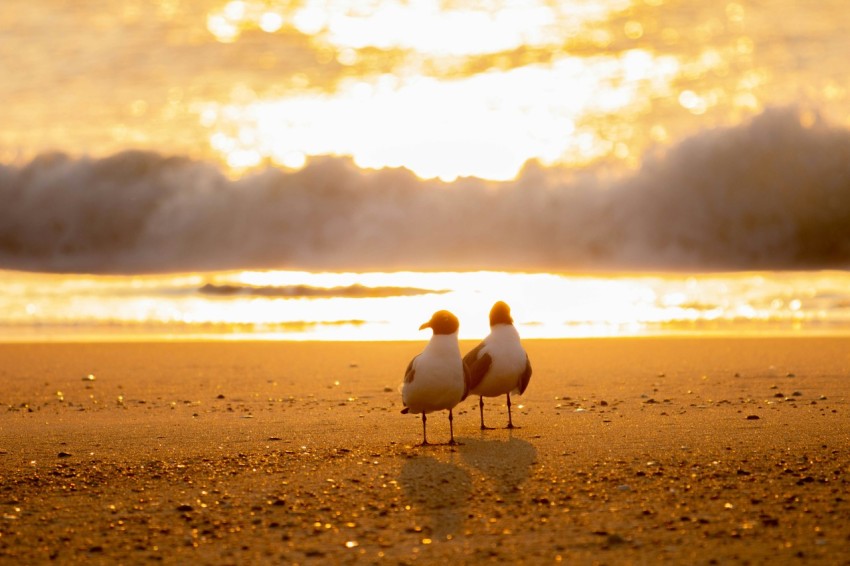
(437, 492)
(506, 464)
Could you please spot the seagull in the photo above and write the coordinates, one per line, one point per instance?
(499, 364)
(436, 379)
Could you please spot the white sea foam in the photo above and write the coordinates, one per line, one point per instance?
(772, 193)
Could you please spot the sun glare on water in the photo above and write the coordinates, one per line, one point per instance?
(294, 305)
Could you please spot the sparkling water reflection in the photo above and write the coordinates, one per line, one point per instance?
(391, 306)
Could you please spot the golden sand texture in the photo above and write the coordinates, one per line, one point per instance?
(683, 451)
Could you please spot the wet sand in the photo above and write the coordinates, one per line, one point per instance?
(686, 451)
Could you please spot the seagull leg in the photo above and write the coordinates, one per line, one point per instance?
(481, 409)
(424, 435)
(451, 431)
(510, 422)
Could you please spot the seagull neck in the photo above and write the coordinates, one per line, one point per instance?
(503, 329)
(443, 342)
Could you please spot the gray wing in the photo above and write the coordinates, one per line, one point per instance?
(408, 377)
(467, 378)
(410, 372)
(525, 377)
(478, 366)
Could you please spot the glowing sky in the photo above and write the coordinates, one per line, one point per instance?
(427, 114)
(445, 88)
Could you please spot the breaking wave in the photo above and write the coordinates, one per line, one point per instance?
(770, 194)
(355, 291)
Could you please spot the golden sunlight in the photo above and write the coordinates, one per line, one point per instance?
(484, 122)
(426, 26)
(486, 125)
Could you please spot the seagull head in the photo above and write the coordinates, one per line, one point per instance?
(500, 314)
(442, 322)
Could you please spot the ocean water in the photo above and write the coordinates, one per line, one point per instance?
(278, 305)
(260, 167)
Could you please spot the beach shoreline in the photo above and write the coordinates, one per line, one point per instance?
(631, 450)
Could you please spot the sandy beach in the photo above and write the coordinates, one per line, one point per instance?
(630, 451)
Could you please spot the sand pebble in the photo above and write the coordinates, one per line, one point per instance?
(89, 377)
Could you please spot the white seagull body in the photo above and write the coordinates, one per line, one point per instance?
(436, 379)
(499, 365)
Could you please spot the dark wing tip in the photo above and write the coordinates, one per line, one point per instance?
(405, 411)
(472, 356)
(478, 370)
(525, 377)
(467, 381)
(410, 373)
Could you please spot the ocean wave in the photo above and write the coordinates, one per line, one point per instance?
(773, 193)
(355, 291)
